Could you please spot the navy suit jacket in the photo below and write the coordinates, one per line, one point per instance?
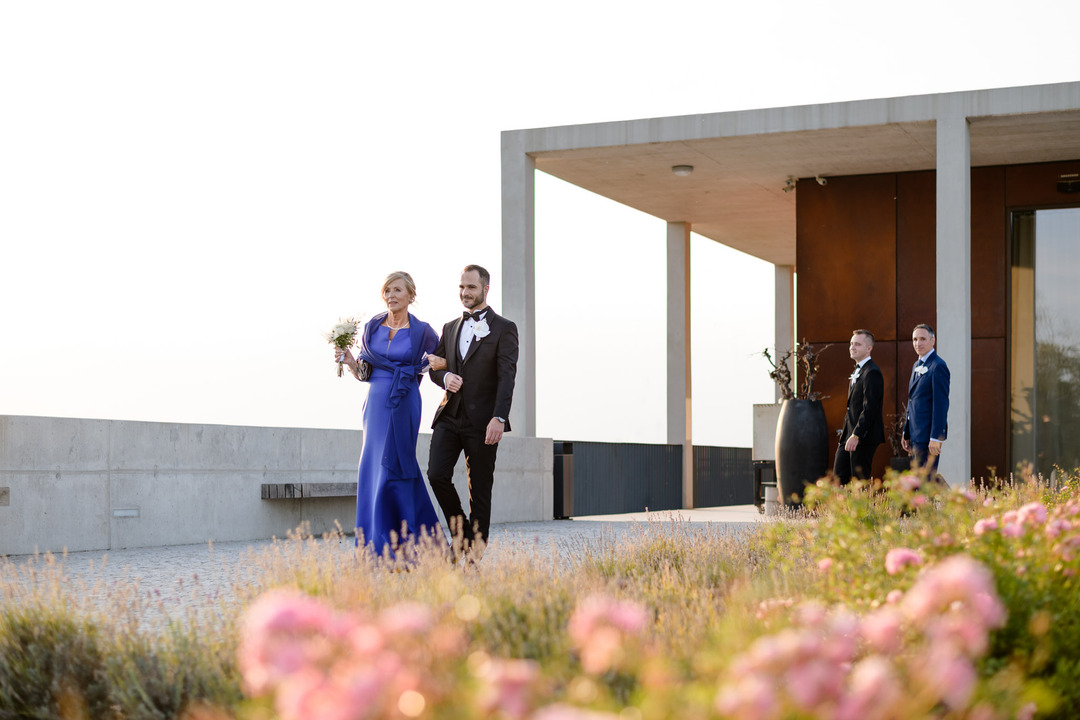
(488, 372)
(928, 402)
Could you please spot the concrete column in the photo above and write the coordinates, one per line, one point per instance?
(678, 351)
(784, 313)
(519, 273)
(954, 285)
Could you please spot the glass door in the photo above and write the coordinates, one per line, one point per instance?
(1045, 339)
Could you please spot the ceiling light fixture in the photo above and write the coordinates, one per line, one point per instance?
(682, 170)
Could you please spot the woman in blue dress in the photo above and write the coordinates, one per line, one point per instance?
(392, 502)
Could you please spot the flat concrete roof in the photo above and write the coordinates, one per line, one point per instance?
(742, 160)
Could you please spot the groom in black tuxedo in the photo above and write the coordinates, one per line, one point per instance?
(481, 352)
(864, 428)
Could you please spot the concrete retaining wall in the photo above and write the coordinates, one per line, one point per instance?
(78, 484)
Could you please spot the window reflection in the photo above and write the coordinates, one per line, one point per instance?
(1045, 339)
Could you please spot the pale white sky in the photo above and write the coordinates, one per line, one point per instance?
(191, 193)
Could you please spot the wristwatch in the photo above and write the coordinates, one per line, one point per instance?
(502, 420)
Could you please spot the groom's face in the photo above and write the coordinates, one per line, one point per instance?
(473, 294)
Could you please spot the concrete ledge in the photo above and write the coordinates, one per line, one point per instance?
(77, 484)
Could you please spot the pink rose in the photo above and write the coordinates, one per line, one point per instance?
(1026, 712)
(882, 629)
(985, 525)
(598, 628)
(873, 690)
(899, 558)
(949, 674)
(509, 687)
(1012, 529)
(957, 579)
(569, 712)
(753, 696)
(1033, 513)
(279, 636)
(910, 481)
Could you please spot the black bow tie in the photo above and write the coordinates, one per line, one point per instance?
(475, 315)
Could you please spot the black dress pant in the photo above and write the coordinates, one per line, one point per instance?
(856, 463)
(448, 440)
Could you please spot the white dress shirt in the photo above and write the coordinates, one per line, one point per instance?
(468, 331)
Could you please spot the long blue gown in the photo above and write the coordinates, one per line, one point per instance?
(384, 506)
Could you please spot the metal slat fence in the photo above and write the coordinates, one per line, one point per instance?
(593, 478)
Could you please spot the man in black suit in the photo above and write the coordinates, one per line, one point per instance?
(864, 428)
(481, 351)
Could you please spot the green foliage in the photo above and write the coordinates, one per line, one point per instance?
(852, 530)
(159, 678)
(51, 665)
(65, 654)
(526, 625)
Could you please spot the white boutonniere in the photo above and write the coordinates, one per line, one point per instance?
(921, 370)
(482, 330)
(855, 375)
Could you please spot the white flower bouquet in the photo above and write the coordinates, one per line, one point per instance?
(343, 337)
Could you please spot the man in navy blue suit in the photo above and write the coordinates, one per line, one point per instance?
(927, 422)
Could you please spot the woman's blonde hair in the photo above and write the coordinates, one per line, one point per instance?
(410, 286)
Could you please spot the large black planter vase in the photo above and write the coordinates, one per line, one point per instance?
(802, 447)
(900, 464)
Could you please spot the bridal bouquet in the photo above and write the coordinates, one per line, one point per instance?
(343, 337)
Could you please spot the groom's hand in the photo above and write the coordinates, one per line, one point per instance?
(452, 382)
(494, 433)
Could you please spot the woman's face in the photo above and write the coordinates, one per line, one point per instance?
(396, 296)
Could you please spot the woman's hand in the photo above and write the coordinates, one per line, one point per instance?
(436, 363)
(345, 356)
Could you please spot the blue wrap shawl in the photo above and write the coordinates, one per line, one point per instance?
(399, 455)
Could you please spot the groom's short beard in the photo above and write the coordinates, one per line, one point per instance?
(479, 300)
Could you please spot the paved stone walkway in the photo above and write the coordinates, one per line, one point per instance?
(198, 576)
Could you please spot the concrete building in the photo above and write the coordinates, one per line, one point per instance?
(954, 209)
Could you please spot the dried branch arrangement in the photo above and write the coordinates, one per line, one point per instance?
(808, 359)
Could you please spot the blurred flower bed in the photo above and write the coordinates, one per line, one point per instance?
(900, 599)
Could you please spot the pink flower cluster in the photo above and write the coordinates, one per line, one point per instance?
(909, 482)
(599, 627)
(899, 558)
(321, 663)
(317, 662)
(508, 687)
(831, 663)
(1060, 526)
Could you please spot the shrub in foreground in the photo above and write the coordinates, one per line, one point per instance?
(897, 601)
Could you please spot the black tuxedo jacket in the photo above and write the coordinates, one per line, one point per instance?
(865, 396)
(488, 372)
